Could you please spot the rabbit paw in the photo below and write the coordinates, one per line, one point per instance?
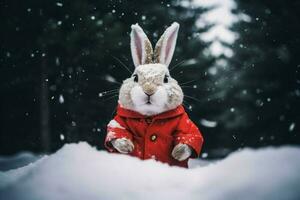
(122, 145)
(181, 152)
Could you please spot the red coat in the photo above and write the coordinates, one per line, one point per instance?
(155, 136)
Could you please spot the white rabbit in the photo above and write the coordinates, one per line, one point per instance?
(151, 90)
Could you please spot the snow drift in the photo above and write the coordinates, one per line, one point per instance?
(78, 171)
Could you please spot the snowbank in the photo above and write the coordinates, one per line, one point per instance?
(19, 160)
(78, 171)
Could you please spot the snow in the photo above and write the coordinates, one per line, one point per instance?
(204, 155)
(221, 17)
(19, 160)
(208, 123)
(190, 62)
(62, 137)
(220, 33)
(61, 99)
(57, 61)
(110, 79)
(292, 127)
(78, 171)
(59, 4)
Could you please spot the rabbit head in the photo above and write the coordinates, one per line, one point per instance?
(151, 90)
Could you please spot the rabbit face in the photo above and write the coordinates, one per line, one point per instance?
(151, 90)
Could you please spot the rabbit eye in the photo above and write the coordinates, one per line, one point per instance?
(135, 78)
(166, 80)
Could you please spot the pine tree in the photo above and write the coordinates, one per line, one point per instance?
(267, 88)
(72, 45)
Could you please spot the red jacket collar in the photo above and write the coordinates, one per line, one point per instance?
(132, 114)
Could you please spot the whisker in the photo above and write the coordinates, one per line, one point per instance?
(194, 98)
(178, 64)
(176, 76)
(188, 86)
(104, 95)
(116, 82)
(109, 91)
(187, 82)
(110, 97)
(117, 59)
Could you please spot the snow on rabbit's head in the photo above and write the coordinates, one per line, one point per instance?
(151, 90)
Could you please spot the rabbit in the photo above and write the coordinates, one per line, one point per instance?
(152, 94)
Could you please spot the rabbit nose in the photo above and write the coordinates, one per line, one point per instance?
(149, 89)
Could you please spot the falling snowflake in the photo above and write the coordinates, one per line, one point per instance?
(292, 127)
(61, 99)
(208, 123)
(59, 4)
(204, 155)
(62, 137)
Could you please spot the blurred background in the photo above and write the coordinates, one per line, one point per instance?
(237, 61)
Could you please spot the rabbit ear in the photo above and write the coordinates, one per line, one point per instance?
(141, 48)
(165, 46)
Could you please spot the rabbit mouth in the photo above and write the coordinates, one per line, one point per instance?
(148, 104)
(149, 101)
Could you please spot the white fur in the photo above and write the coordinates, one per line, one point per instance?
(166, 96)
(181, 152)
(123, 145)
(168, 44)
(137, 44)
(158, 101)
(163, 96)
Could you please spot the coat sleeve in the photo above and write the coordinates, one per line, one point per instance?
(116, 128)
(188, 133)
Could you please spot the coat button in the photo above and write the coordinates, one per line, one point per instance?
(148, 120)
(153, 137)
